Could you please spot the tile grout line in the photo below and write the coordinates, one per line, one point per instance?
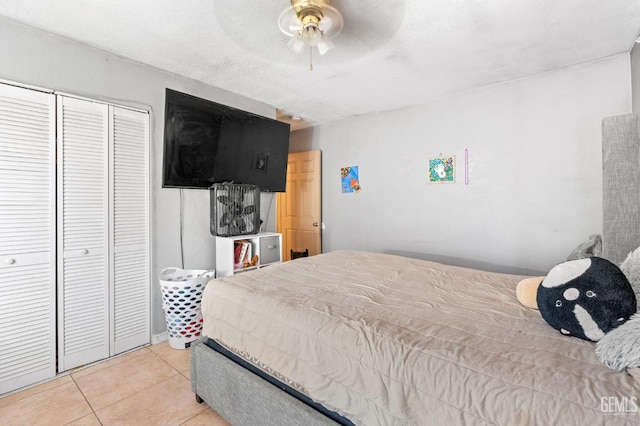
(93, 410)
(191, 418)
(146, 389)
(88, 375)
(161, 355)
(129, 396)
(27, 388)
(188, 378)
(172, 367)
(110, 360)
(166, 362)
(175, 370)
(85, 400)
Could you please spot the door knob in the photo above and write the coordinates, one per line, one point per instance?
(9, 261)
(315, 224)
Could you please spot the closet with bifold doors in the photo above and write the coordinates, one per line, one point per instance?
(74, 233)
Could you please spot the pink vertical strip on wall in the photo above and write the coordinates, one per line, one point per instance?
(466, 166)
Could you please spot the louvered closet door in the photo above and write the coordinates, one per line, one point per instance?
(130, 229)
(83, 232)
(27, 237)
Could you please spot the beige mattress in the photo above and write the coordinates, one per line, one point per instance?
(388, 340)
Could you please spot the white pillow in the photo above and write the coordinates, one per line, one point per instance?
(630, 267)
(619, 349)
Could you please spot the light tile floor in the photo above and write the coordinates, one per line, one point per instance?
(149, 386)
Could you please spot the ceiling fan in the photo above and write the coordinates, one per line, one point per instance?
(310, 23)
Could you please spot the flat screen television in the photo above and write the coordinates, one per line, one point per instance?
(206, 142)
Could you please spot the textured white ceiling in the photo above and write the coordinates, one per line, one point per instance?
(391, 53)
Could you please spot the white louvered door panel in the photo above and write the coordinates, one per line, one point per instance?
(83, 232)
(130, 229)
(27, 237)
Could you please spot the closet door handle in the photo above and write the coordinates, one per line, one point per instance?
(85, 251)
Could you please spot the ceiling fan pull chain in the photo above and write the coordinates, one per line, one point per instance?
(310, 58)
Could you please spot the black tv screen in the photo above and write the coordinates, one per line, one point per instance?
(206, 143)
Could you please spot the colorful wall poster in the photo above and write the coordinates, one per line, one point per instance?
(442, 169)
(350, 180)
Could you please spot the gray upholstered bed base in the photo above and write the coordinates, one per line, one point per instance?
(242, 397)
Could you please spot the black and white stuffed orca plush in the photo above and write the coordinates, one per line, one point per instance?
(586, 298)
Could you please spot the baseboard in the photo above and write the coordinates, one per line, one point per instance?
(159, 338)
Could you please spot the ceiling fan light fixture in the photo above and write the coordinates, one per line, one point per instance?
(311, 34)
(307, 10)
(310, 23)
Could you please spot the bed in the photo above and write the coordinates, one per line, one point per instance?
(352, 337)
(383, 339)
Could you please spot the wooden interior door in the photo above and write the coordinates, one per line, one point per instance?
(299, 208)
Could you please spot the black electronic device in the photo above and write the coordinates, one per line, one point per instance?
(206, 142)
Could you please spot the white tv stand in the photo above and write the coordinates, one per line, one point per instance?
(267, 245)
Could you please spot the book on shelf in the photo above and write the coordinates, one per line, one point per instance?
(242, 254)
(247, 258)
(237, 249)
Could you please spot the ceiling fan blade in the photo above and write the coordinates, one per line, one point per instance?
(223, 199)
(249, 209)
(296, 44)
(324, 45)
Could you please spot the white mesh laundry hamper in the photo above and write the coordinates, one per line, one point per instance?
(181, 295)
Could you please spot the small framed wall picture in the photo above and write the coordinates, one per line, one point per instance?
(350, 180)
(442, 169)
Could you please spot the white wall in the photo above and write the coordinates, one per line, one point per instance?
(535, 171)
(33, 57)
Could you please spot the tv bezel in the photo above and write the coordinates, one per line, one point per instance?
(227, 110)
